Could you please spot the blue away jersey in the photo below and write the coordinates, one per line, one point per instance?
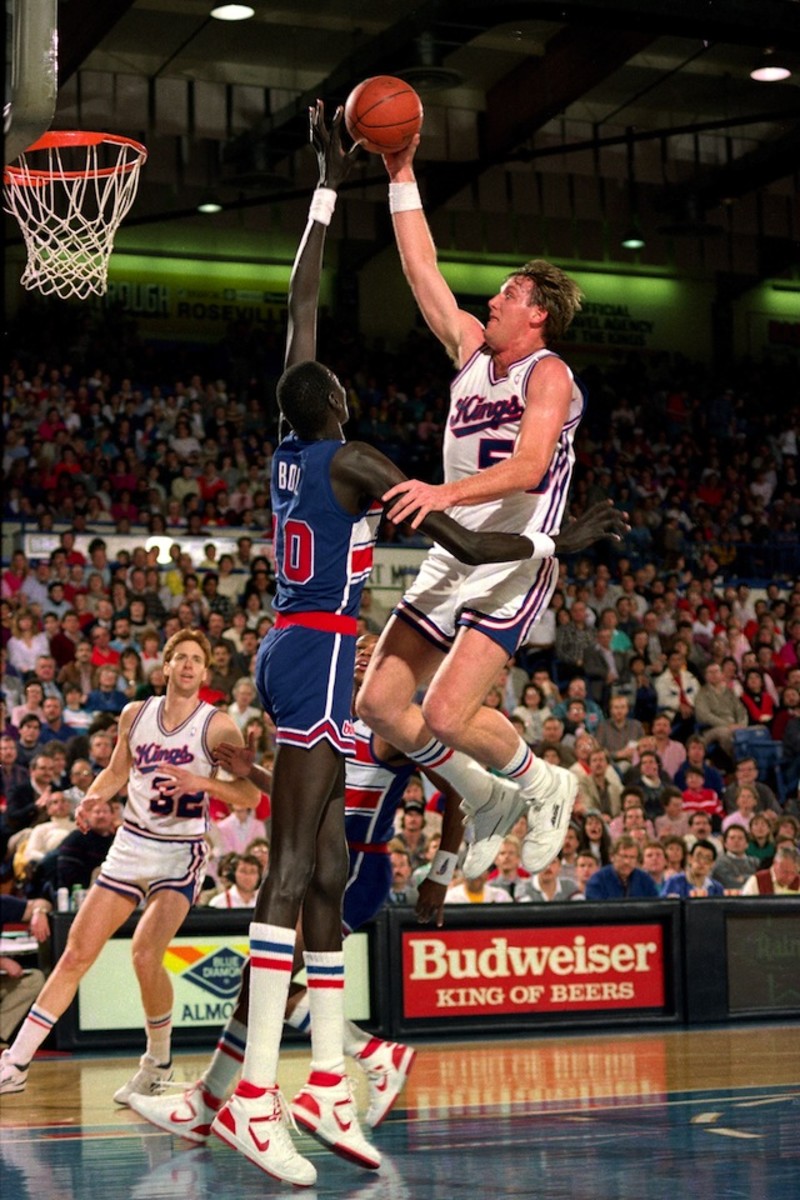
(323, 554)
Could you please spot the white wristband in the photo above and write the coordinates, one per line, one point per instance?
(443, 866)
(543, 545)
(404, 197)
(323, 202)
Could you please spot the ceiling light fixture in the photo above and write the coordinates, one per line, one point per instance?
(633, 240)
(427, 73)
(771, 69)
(233, 12)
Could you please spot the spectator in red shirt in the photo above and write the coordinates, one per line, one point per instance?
(697, 798)
(74, 555)
(210, 482)
(102, 652)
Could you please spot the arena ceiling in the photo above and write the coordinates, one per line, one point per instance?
(595, 110)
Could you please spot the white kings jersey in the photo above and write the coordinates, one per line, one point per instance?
(168, 817)
(482, 429)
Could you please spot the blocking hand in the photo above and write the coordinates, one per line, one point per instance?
(600, 521)
(334, 162)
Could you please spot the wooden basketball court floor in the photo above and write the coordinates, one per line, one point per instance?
(710, 1113)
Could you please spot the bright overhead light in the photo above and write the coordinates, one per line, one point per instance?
(633, 241)
(209, 206)
(770, 74)
(233, 12)
(770, 69)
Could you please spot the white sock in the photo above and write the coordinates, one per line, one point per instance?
(472, 781)
(271, 954)
(227, 1059)
(529, 771)
(159, 1038)
(325, 972)
(33, 1031)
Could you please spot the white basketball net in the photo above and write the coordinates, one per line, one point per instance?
(69, 201)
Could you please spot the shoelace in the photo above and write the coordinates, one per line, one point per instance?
(285, 1114)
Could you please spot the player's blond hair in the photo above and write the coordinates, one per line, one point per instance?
(553, 290)
(188, 635)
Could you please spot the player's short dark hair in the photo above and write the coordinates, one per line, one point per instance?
(554, 291)
(303, 392)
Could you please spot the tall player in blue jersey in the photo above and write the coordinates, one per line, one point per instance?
(326, 501)
(375, 779)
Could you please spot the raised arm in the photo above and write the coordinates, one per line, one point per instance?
(334, 164)
(459, 332)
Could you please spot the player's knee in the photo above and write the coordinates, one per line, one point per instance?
(444, 718)
(145, 960)
(289, 877)
(330, 876)
(75, 960)
(373, 706)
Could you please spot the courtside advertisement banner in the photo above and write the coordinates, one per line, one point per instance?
(481, 972)
(205, 972)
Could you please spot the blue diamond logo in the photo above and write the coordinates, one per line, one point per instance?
(220, 973)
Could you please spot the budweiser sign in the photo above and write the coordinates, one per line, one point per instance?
(522, 970)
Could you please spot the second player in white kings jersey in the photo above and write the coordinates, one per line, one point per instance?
(171, 818)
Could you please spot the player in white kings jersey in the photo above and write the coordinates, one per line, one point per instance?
(508, 457)
(164, 755)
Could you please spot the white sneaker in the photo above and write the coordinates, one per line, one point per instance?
(387, 1069)
(188, 1116)
(147, 1081)
(254, 1122)
(328, 1113)
(490, 823)
(12, 1077)
(548, 819)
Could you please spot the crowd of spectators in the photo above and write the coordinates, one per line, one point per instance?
(665, 675)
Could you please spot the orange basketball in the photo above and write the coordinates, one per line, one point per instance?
(382, 114)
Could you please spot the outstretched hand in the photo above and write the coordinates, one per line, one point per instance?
(398, 159)
(600, 521)
(237, 760)
(334, 162)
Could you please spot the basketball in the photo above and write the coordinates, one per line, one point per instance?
(383, 114)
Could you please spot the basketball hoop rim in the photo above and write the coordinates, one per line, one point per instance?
(55, 139)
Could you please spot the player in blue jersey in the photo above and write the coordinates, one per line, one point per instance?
(326, 500)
